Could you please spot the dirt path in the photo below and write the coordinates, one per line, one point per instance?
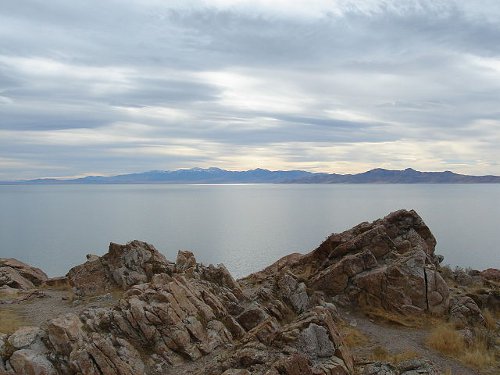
(397, 339)
(51, 304)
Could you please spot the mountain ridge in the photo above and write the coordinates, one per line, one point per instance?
(215, 175)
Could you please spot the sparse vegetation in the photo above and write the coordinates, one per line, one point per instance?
(353, 337)
(381, 354)
(446, 273)
(479, 356)
(479, 353)
(447, 340)
(490, 319)
(10, 320)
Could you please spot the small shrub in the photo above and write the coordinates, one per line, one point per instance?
(446, 340)
(353, 337)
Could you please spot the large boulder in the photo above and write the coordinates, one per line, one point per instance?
(389, 263)
(18, 275)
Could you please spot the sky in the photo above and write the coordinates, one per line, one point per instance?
(94, 87)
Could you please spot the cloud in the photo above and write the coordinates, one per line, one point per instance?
(340, 86)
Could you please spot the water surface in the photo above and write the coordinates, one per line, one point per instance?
(246, 227)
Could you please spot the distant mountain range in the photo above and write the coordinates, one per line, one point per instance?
(221, 176)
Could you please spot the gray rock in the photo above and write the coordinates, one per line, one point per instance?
(3, 349)
(294, 292)
(26, 361)
(464, 311)
(315, 342)
(417, 366)
(24, 337)
(379, 368)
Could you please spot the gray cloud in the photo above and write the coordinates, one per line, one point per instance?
(90, 87)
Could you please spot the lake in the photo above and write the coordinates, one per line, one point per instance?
(246, 227)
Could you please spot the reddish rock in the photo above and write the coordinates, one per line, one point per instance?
(492, 274)
(389, 263)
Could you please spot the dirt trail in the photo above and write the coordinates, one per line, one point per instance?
(53, 303)
(397, 339)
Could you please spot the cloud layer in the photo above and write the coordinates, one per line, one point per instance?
(93, 87)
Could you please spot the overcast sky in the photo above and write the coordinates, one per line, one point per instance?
(105, 87)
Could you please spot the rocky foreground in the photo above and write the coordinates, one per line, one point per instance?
(132, 311)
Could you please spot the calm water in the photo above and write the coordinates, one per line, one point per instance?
(246, 227)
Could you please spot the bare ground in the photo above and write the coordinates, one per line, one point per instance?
(51, 303)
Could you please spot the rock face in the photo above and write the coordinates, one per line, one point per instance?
(18, 275)
(387, 264)
(187, 318)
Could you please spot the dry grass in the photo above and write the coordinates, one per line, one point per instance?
(490, 319)
(447, 340)
(479, 356)
(381, 354)
(353, 337)
(10, 320)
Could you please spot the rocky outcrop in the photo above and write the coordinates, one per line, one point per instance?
(18, 275)
(187, 318)
(387, 264)
(182, 318)
(122, 267)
